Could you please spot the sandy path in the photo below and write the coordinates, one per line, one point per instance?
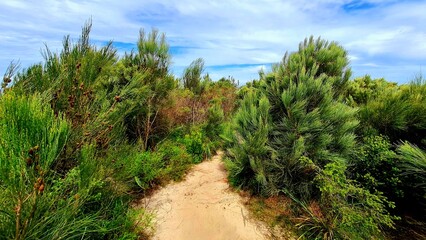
(201, 207)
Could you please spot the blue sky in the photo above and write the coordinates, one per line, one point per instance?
(235, 38)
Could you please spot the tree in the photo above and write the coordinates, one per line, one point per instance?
(192, 81)
(147, 70)
(192, 76)
(69, 79)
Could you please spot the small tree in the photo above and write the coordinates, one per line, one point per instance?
(148, 71)
(69, 79)
(192, 76)
(192, 81)
(312, 126)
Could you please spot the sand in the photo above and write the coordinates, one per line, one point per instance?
(202, 207)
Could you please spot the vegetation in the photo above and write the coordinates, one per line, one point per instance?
(87, 131)
(332, 145)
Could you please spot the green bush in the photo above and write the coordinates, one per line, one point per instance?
(95, 194)
(350, 212)
(196, 141)
(143, 170)
(194, 144)
(295, 134)
(33, 205)
(68, 80)
(213, 128)
(176, 159)
(396, 113)
(38, 203)
(248, 137)
(146, 167)
(134, 169)
(305, 119)
(375, 165)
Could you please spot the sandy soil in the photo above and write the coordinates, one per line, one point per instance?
(202, 207)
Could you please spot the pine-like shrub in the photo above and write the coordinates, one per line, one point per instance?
(295, 135)
(249, 152)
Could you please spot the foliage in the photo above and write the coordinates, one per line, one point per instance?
(36, 202)
(149, 69)
(414, 163)
(364, 89)
(145, 168)
(394, 112)
(311, 127)
(31, 140)
(413, 173)
(215, 118)
(248, 140)
(177, 111)
(68, 80)
(186, 107)
(192, 76)
(194, 144)
(177, 159)
(192, 81)
(350, 212)
(375, 166)
(223, 92)
(294, 134)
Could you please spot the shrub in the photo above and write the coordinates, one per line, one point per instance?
(413, 173)
(248, 139)
(295, 135)
(375, 166)
(394, 113)
(213, 126)
(133, 169)
(350, 212)
(308, 124)
(176, 159)
(146, 167)
(33, 206)
(194, 144)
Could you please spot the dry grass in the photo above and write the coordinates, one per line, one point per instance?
(276, 212)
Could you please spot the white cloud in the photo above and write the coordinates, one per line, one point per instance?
(232, 32)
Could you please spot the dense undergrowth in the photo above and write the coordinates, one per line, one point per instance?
(350, 154)
(86, 131)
